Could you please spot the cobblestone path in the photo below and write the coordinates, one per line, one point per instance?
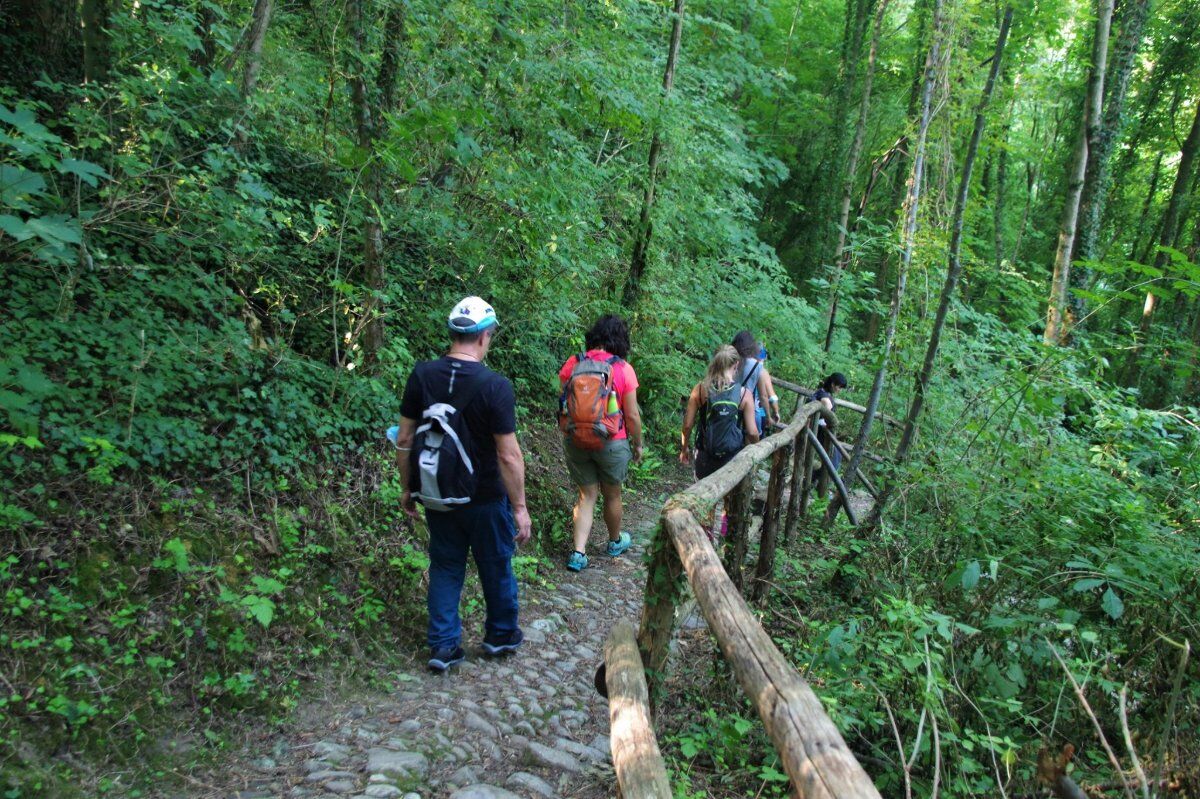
(526, 725)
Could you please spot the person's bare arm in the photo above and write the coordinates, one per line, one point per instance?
(404, 442)
(633, 423)
(512, 473)
(749, 423)
(689, 420)
(766, 390)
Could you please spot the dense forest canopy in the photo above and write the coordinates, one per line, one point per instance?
(230, 227)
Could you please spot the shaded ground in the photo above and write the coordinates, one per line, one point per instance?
(527, 725)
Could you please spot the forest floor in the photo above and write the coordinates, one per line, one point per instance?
(527, 725)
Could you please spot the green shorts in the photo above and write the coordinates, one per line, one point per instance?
(608, 465)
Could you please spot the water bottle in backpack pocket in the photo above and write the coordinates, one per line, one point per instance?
(722, 434)
(589, 414)
(442, 464)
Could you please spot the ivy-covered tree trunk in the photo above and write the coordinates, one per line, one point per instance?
(953, 268)
(1098, 176)
(1057, 322)
(856, 146)
(641, 243)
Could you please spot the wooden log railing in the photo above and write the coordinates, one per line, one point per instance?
(810, 747)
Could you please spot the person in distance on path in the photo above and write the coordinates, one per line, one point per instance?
(602, 427)
(492, 519)
(825, 394)
(754, 376)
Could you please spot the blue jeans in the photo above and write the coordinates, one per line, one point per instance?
(487, 530)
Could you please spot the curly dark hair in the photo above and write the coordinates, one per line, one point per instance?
(745, 343)
(611, 334)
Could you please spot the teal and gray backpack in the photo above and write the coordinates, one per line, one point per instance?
(722, 435)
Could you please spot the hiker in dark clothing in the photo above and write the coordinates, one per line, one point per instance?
(824, 394)
(468, 427)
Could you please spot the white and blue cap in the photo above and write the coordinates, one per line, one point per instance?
(471, 315)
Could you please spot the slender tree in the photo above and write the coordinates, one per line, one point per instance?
(1168, 236)
(257, 37)
(641, 243)
(1057, 307)
(907, 243)
(1098, 175)
(856, 146)
(895, 204)
(954, 265)
(370, 107)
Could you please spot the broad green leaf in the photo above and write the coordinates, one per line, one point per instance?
(1112, 604)
(970, 576)
(15, 227)
(260, 608)
(17, 183)
(84, 170)
(56, 229)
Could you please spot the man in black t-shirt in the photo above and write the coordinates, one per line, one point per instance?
(496, 519)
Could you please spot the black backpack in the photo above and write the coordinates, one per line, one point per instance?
(722, 434)
(443, 461)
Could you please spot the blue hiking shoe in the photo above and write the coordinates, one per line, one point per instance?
(577, 562)
(619, 546)
(445, 657)
(503, 645)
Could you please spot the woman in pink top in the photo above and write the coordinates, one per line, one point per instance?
(602, 471)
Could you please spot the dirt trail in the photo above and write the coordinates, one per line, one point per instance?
(527, 725)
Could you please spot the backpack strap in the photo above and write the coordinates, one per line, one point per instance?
(754, 372)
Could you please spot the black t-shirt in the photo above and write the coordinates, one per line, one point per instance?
(493, 411)
(821, 394)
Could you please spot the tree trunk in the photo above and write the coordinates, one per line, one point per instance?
(897, 200)
(1000, 193)
(1098, 177)
(94, 16)
(369, 117)
(1169, 235)
(1057, 322)
(258, 35)
(641, 243)
(856, 146)
(953, 269)
(908, 241)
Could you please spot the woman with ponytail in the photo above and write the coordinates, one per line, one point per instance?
(725, 409)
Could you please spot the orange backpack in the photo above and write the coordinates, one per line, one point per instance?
(589, 414)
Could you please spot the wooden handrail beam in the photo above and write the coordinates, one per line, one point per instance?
(841, 403)
(811, 748)
(641, 773)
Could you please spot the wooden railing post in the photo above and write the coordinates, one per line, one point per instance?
(741, 500)
(799, 454)
(765, 568)
(637, 760)
(809, 456)
(664, 579)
